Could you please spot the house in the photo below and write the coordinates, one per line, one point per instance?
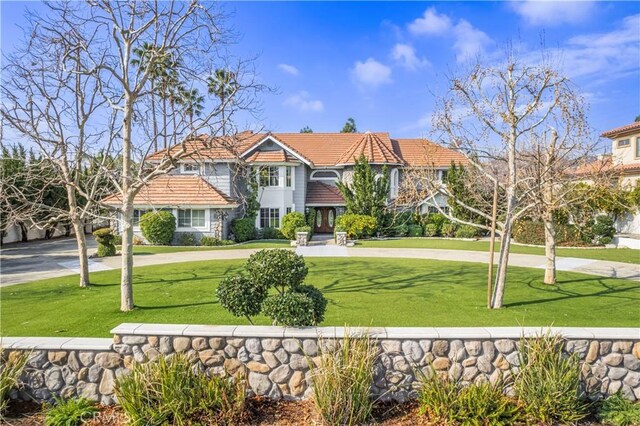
(624, 165)
(295, 172)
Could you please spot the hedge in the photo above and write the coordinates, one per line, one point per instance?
(158, 227)
(530, 232)
(243, 229)
(356, 225)
(290, 222)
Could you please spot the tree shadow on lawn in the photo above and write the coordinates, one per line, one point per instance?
(184, 305)
(564, 291)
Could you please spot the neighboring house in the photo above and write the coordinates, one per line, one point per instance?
(296, 172)
(625, 166)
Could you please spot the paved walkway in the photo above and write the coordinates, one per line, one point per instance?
(54, 259)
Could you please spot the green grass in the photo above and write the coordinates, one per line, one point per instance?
(177, 249)
(361, 291)
(611, 254)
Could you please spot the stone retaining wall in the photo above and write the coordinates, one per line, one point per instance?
(273, 358)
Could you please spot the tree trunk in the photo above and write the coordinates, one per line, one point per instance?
(78, 229)
(503, 263)
(24, 232)
(549, 250)
(126, 278)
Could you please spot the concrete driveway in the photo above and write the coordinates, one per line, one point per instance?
(35, 260)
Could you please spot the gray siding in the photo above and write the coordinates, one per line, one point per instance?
(219, 175)
(300, 192)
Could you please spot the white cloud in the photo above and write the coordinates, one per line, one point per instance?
(430, 23)
(302, 102)
(406, 56)
(289, 69)
(469, 41)
(371, 73)
(553, 12)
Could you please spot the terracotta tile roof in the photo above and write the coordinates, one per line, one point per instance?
(213, 148)
(323, 194)
(421, 152)
(177, 190)
(375, 149)
(629, 128)
(280, 156)
(606, 165)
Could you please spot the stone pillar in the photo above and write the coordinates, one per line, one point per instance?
(302, 239)
(341, 238)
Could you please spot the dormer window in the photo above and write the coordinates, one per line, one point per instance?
(623, 143)
(190, 168)
(324, 175)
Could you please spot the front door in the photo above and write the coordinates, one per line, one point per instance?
(325, 220)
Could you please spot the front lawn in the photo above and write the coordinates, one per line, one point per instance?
(611, 254)
(176, 249)
(361, 291)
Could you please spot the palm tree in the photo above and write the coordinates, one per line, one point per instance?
(192, 102)
(223, 85)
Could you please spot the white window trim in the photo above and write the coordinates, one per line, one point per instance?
(623, 146)
(335, 179)
(207, 219)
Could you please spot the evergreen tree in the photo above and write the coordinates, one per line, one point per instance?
(349, 126)
(306, 129)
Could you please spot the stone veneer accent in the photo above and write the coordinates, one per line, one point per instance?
(274, 361)
(302, 239)
(341, 238)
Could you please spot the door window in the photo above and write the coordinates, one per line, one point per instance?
(331, 218)
(318, 218)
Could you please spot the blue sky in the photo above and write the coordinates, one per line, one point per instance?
(382, 62)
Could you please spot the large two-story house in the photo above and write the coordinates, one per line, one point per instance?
(295, 172)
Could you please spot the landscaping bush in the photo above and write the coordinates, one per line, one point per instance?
(276, 268)
(449, 230)
(241, 296)
(70, 412)
(104, 238)
(357, 225)
(446, 401)
(10, 371)
(547, 384)
(619, 411)
(430, 230)
(158, 227)
(209, 241)
(311, 221)
(415, 231)
(170, 391)
(243, 229)
(437, 219)
(530, 232)
(272, 234)
(318, 299)
(290, 222)
(290, 308)
(117, 239)
(187, 239)
(306, 229)
(342, 382)
(401, 230)
(467, 231)
(603, 230)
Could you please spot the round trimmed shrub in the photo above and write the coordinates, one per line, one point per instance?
(448, 230)
(467, 231)
(104, 238)
(603, 230)
(430, 230)
(241, 296)
(276, 268)
(401, 230)
(243, 229)
(290, 308)
(319, 301)
(290, 222)
(415, 231)
(158, 227)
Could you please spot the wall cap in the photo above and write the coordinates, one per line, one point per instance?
(602, 333)
(57, 343)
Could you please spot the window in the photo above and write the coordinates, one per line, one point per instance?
(288, 177)
(324, 175)
(288, 210)
(443, 175)
(624, 142)
(394, 183)
(188, 218)
(191, 168)
(137, 214)
(637, 147)
(269, 218)
(269, 176)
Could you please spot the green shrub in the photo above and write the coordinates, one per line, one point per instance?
(104, 238)
(401, 230)
(243, 229)
(318, 299)
(430, 230)
(415, 231)
(619, 411)
(70, 412)
(240, 296)
(209, 241)
(437, 219)
(117, 239)
(547, 384)
(603, 230)
(272, 234)
(290, 308)
(357, 225)
(306, 229)
(187, 239)
(276, 268)
(449, 229)
(11, 366)
(342, 382)
(311, 220)
(290, 222)
(158, 227)
(467, 231)
(530, 232)
(170, 391)
(446, 401)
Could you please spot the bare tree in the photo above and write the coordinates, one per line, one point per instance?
(488, 115)
(138, 52)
